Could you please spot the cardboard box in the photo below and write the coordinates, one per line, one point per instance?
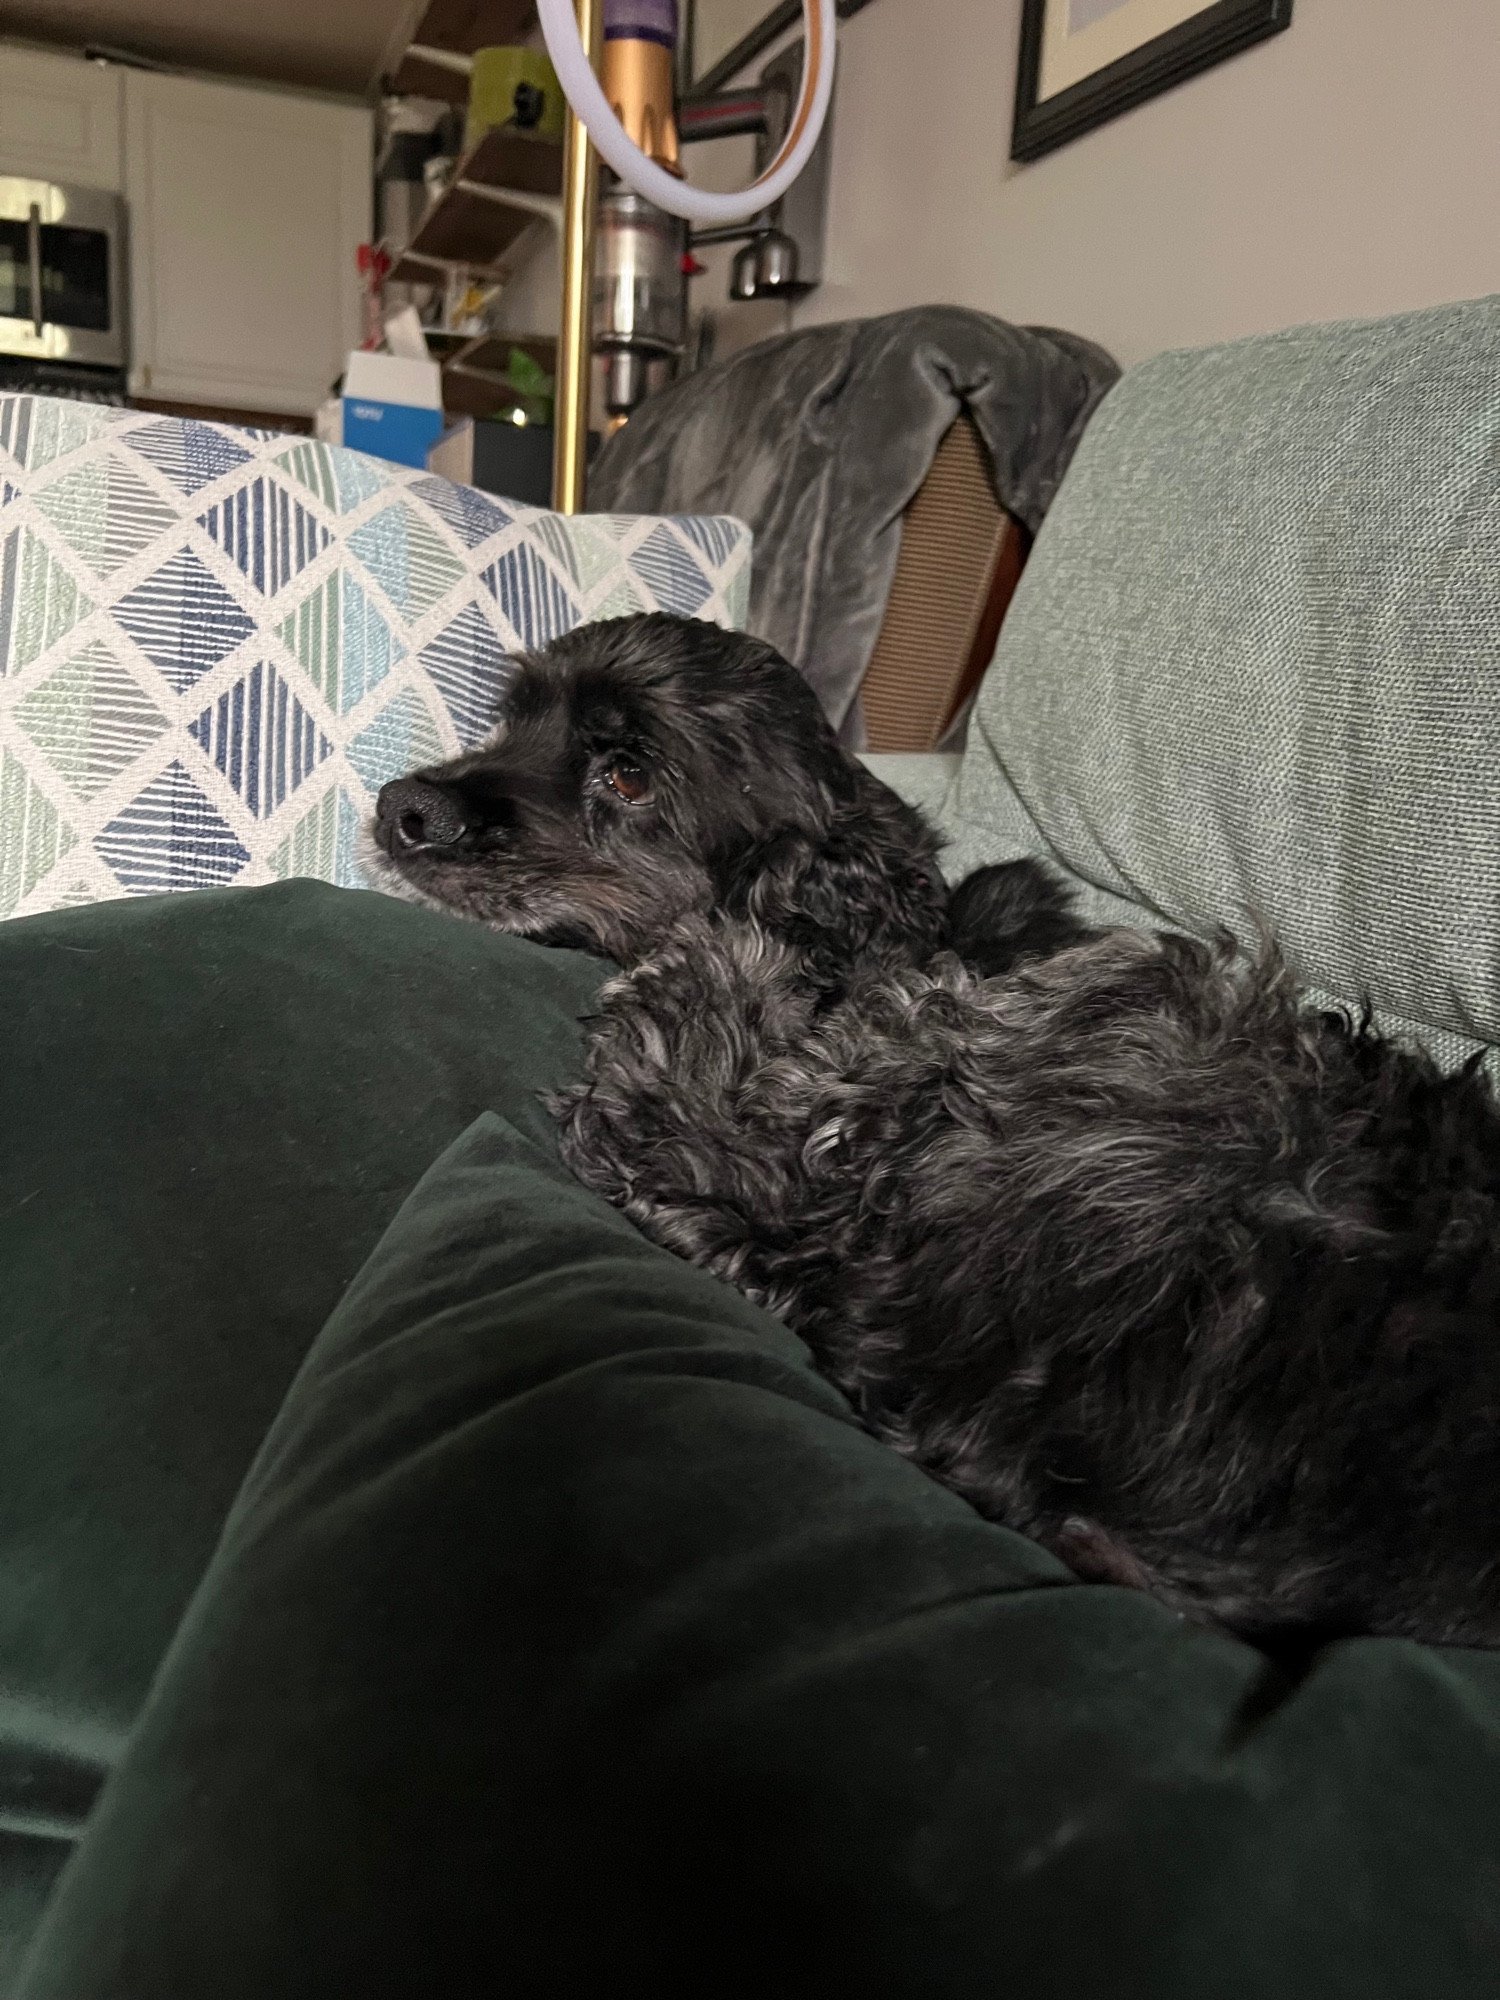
(393, 407)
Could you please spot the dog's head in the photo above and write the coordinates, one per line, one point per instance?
(649, 767)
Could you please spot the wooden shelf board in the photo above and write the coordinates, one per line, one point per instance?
(466, 228)
(505, 158)
(467, 395)
(492, 351)
(468, 231)
(462, 26)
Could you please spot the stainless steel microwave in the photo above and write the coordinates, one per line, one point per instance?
(62, 272)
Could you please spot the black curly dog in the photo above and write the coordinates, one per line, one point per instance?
(1194, 1285)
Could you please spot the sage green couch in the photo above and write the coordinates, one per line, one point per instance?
(412, 1581)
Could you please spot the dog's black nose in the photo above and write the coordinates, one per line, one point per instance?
(415, 817)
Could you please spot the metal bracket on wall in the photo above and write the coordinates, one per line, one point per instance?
(785, 243)
(761, 36)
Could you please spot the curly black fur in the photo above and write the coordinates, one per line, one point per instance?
(1123, 1243)
(998, 917)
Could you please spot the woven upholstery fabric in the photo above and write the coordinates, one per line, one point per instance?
(1254, 663)
(216, 645)
(924, 778)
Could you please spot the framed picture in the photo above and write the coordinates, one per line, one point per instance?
(1083, 62)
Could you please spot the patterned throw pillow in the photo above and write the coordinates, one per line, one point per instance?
(216, 645)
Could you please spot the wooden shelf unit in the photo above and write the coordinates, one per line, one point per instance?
(472, 225)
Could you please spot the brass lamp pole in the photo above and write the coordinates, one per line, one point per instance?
(574, 347)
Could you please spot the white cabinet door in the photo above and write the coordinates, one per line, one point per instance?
(246, 211)
(59, 119)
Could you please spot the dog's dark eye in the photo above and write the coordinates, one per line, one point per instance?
(628, 782)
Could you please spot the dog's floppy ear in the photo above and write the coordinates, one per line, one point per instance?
(1010, 911)
(866, 885)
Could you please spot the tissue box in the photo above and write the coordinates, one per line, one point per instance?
(328, 420)
(393, 408)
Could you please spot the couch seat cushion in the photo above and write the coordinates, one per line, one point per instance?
(568, 1637)
(213, 1105)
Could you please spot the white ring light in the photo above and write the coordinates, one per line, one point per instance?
(581, 88)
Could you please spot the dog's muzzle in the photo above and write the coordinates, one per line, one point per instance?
(413, 818)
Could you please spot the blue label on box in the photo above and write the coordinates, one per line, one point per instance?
(395, 431)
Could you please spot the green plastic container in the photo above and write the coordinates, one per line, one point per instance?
(515, 88)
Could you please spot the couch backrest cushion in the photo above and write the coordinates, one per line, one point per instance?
(1254, 661)
(216, 645)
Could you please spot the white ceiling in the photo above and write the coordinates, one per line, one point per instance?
(340, 45)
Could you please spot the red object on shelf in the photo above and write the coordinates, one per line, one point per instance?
(373, 263)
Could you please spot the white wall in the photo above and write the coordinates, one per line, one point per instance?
(720, 25)
(1348, 166)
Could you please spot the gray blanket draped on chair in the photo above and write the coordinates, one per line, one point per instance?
(818, 440)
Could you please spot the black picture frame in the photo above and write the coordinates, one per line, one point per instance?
(1220, 30)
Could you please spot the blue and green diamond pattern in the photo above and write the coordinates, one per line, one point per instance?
(216, 645)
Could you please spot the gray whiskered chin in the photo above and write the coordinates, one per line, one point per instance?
(444, 890)
(382, 873)
(591, 913)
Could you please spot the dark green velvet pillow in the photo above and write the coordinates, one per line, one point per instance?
(211, 1107)
(569, 1638)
